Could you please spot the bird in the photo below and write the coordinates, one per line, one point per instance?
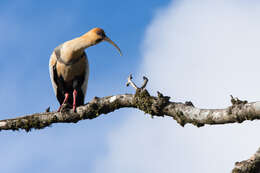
(69, 67)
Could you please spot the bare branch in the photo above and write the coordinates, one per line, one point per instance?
(161, 105)
(183, 113)
(145, 82)
(252, 165)
(130, 82)
(91, 110)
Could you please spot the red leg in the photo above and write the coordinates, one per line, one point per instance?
(74, 100)
(64, 101)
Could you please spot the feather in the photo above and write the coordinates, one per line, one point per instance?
(85, 83)
(52, 63)
(69, 67)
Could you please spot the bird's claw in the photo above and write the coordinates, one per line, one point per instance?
(64, 107)
(74, 108)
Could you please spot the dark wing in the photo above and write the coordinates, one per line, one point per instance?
(81, 81)
(56, 84)
(85, 83)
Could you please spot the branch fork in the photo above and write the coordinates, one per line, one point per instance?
(159, 105)
(130, 82)
(236, 101)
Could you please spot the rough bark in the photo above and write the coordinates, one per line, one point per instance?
(183, 113)
(161, 105)
(252, 165)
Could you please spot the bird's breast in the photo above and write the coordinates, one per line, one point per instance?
(70, 72)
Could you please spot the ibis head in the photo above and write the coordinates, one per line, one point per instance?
(98, 35)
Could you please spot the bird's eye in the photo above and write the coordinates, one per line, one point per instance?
(101, 33)
(98, 40)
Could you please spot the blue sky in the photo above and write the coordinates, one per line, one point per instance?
(201, 51)
(32, 30)
(29, 31)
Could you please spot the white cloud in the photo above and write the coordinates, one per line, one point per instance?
(201, 51)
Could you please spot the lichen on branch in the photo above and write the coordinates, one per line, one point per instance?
(252, 165)
(159, 105)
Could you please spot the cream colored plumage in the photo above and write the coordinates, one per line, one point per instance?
(69, 68)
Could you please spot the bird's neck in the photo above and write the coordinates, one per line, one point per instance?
(74, 48)
(81, 43)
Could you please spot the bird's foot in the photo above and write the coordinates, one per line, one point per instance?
(64, 107)
(64, 102)
(74, 100)
(59, 108)
(74, 108)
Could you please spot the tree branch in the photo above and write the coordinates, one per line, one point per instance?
(161, 105)
(252, 165)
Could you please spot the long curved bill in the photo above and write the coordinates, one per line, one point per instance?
(114, 44)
